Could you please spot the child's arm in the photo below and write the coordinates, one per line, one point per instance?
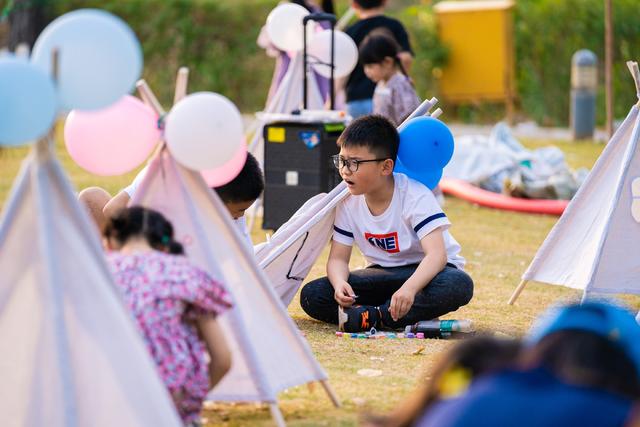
(406, 59)
(118, 202)
(433, 263)
(219, 353)
(338, 273)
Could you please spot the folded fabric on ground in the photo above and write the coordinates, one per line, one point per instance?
(499, 163)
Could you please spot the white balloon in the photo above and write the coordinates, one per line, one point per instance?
(346, 53)
(204, 131)
(284, 27)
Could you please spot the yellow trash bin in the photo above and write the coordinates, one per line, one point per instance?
(479, 35)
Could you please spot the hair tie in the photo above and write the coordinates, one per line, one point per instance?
(165, 240)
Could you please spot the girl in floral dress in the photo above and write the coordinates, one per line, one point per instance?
(174, 303)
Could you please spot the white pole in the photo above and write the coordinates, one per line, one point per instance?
(277, 415)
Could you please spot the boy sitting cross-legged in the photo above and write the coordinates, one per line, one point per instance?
(415, 271)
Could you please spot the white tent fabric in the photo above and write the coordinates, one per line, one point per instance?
(269, 353)
(591, 247)
(71, 353)
(291, 252)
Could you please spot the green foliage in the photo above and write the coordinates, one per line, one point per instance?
(430, 53)
(549, 32)
(216, 39)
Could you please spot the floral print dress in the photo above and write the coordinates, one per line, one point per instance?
(165, 294)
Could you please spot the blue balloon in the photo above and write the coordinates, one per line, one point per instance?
(27, 102)
(99, 59)
(425, 144)
(430, 178)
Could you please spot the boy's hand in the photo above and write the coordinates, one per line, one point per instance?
(344, 295)
(401, 302)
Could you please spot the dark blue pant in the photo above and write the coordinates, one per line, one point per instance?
(448, 290)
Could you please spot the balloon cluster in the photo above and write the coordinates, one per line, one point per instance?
(426, 146)
(107, 131)
(285, 29)
(98, 61)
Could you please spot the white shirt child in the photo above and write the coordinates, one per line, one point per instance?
(392, 239)
(240, 223)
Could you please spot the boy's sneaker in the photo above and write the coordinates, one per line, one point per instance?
(358, 318)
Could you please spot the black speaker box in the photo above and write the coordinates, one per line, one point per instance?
(297, 166)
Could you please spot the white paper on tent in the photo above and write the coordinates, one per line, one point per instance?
(71, 352)
(268, 351)
(593, 245)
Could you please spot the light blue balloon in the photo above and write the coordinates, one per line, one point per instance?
(426, 143)
(430, 178)
(27, 102)
(99, 58)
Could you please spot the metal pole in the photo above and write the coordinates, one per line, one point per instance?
(333, 65)
(608, 61)
(304, 63)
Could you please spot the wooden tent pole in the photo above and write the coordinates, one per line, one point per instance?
(148, 97)
(517, 292)
(182, 81)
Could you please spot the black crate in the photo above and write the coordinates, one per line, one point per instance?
(297, 166)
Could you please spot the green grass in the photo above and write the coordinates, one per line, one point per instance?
(498, 247)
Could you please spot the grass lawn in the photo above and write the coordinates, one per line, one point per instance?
(498, 247)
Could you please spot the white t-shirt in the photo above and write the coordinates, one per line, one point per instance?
(240, 223)
(392, 239)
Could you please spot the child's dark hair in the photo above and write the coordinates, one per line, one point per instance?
(369, 4)
(245, 187)
(151, 225)
(376, 133)
(587, 359)
(377, 46)
(463, 363)
(326, 6)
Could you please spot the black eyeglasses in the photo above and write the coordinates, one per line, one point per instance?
(351, 164)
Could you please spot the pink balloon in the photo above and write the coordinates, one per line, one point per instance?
(114, 140)
(224, 174)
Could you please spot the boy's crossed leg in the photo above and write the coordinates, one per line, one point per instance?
(374, 287)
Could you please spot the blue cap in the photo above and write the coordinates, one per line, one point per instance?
(605, 319)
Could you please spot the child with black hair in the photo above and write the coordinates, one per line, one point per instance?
(174, 303)
(462, 364)
(415, 271)
(394, 97)
(237, 196)
(579, 366)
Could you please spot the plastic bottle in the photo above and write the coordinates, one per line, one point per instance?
(442, 328)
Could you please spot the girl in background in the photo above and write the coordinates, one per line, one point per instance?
(394, 96)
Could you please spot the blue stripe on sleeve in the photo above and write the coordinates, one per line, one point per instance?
(343, 232)
(426, 221)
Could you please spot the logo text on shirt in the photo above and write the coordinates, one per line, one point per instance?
(387, 242)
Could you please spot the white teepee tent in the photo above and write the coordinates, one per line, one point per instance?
(591, 247)
(290, 253)
(269, 353)
(71, 353)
